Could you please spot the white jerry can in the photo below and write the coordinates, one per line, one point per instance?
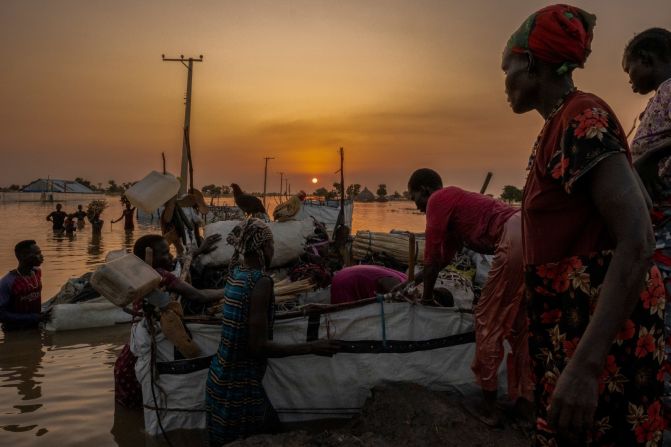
(125, 279)
(153, 191)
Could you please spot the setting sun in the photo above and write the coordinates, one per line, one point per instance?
(315, 180)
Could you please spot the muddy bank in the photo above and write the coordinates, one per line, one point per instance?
(401, 415)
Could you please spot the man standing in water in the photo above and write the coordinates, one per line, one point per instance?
(456, 218)
(80, 214)
(21, 290)
(57, 218)
(127, 215)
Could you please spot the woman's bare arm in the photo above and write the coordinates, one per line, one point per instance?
(618, 199)
(260, 346)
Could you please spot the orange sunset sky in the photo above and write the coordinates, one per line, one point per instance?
(399, 84)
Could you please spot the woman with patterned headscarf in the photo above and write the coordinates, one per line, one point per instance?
(237, 405)
(596, 305)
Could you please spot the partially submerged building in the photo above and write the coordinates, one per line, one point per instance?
(54, 185)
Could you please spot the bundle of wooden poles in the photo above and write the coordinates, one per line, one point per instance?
(286, 290)
(395, 245)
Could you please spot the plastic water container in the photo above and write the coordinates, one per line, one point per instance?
(153, 191)
(125, 279)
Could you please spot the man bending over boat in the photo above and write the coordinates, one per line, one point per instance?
(455, 219)
(21, 290)
(127, 390)
(363, 281)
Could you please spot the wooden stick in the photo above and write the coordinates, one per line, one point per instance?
(411, 257)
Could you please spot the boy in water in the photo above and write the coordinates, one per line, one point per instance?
(80, 214)
(127, 215)
(21, 290)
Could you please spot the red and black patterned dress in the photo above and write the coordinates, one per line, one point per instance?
(567, 251)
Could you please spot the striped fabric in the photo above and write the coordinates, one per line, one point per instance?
(237, 405)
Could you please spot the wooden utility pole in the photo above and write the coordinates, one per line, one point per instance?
(186, 170)
(281, 183)
(265, 178)
(341, 215)
(486, 184)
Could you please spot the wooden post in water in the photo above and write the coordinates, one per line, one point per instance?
(265, 178)
(412, 256)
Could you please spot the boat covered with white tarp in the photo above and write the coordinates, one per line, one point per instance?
(381, 342)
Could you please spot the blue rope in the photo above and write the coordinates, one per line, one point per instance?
(380, 299)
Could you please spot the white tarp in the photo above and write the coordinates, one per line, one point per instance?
(289, 238)
(315, 387)
(173, 391)
(326, 213)
(94, 313)
(311, 387)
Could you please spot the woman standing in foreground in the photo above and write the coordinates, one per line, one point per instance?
(237, 405)
(596, 305)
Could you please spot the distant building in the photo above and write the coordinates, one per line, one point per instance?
(54, 185)
(365, 196)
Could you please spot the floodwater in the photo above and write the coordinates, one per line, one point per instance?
(58, 388)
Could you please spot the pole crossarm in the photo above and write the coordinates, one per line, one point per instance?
(182, 59)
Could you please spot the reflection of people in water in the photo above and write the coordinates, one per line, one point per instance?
(21, 354)
(128, 240)
(57, 218)
(96, 224)
(127, 215)
(95, 247)
(21, 290)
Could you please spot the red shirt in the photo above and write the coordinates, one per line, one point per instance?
(20, 299)
(456, 218)
(360, 282)
(559, 219)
